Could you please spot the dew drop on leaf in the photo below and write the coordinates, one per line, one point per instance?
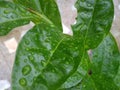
(25, 60)
(52, 25)
(36, 39)
(53, 70)
(31, 58)
(84, 86)
(89, 5)
(34, 79)
(76, 48)
(23, 82)
(26, 70)
(67, 63)
(6, 11)
(27, 49)
(43, 63)
(32, 53)
(27, 42)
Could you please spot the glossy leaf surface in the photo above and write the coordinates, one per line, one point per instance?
(47, 8)
(78, 76)
(93, 21)
(104, 68)
(12, 16)
(45, 59)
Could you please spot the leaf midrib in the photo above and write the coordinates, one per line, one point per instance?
(86, 39)
(48, 61)
(41, 15)
(89, 24)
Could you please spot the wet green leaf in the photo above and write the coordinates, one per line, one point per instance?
(104, 68)
(94, 21)
(11, 16)
(46, 59)
(47, 8)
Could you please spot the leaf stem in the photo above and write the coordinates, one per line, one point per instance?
(40, 15)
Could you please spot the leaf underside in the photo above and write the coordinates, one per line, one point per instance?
(46, 59)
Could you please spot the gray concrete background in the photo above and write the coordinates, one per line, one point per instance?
(68, 14)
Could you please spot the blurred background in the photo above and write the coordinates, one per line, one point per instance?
(8, 44)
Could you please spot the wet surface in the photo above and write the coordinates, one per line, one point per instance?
(68, 13)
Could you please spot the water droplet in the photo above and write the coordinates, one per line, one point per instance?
(27, 49)
(67, 63)
(43, 63)
(53, 70)
(84, 86)
(26, 70)
(23, 82)
(36, 39)
(89, 5)
(25, 60)
(64, 58)
(32, 53)
(76, 48)
(34, 79)
(27, 42)
(47, 40)
(52, 25)
(97, 36)
(31, 58)
(6, 11)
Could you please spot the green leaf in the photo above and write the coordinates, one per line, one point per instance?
(105, 68)
(45, 58)
(47, 9)
(11, 16)
(77, 77)
(94, 21)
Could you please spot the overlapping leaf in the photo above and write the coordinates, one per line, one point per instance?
(104, 70)
(11, 16)
(47, 8)
(78, 76)
(93, 21)
(52, 57)
(45, 57)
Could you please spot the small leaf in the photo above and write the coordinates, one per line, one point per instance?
(47, 8)
(11, 16)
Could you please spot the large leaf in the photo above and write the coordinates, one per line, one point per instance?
(45, 59)
(94, 21)
(11, 16)
(45, 8)
(105, 68)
